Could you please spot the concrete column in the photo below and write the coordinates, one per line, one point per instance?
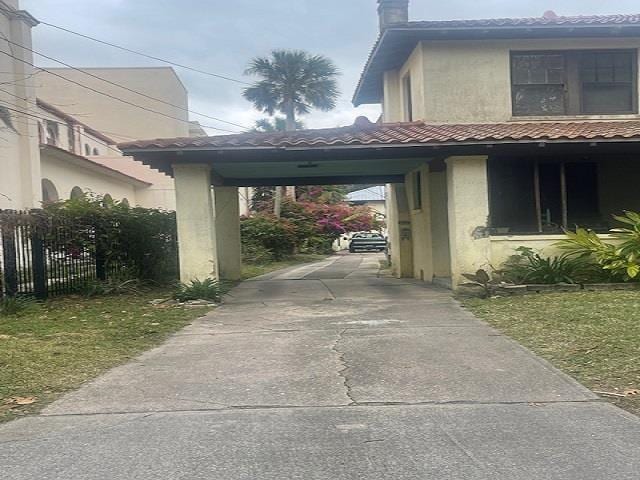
(468, 212)
(196, 223)
(400, 232)
(228, 232)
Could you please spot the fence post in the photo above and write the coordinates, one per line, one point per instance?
(38, 265)
(10, 261)
(101, 258)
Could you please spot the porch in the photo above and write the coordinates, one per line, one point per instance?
(460, 197)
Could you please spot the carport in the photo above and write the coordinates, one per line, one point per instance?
(457, 193)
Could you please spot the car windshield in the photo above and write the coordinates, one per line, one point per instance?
(367, 235)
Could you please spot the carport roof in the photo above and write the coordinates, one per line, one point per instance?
(369, 153)
(365, 133)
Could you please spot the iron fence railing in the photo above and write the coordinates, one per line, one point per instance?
(40, 257)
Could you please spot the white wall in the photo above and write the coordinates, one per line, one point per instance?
(19, 153)
(65, 176)
(118, 120)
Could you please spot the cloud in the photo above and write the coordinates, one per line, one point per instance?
(221, 36)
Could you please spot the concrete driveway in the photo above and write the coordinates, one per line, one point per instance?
(328, 371)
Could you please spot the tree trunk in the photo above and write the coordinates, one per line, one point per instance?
(277, 202)
(290, 191)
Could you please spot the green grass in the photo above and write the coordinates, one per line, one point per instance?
(54, 348)
(255, 270)
(592, 336)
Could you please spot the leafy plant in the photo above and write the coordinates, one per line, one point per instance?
(17, 306)
(530, 267)
(207, 289)
(113, 286)
(621, 260)
(481, 278)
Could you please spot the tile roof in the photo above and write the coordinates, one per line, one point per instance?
(365, 133)
(549, 18)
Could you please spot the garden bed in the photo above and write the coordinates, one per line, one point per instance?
(510, 290)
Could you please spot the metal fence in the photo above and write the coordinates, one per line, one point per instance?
(40, 257)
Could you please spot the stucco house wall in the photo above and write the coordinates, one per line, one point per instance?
(470, 82)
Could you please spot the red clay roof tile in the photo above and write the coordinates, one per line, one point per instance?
(405, 134)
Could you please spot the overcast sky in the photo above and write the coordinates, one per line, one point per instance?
(222, 35)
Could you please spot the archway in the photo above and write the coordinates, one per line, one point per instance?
(49, 191)
(76, 193)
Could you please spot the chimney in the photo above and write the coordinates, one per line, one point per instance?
(391, 12)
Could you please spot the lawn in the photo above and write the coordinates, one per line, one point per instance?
(592, 336)
(255, 270)
(67, 341)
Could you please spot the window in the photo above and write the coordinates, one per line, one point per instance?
(49, 191)
(407, 96)
(417, 190)
(76, 193)
(574, 82)
(72, 139)
(96, 151)
(52, 132)
(533, 196)
(87, 150)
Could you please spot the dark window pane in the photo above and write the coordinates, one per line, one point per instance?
(538, 69)
(612, 98)
(538, 100)
(512, 204)
(582, 196)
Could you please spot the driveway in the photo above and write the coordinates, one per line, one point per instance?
(329, 372)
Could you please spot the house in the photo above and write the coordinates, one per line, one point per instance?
(59, 135)
(495, 133)
(372, 197)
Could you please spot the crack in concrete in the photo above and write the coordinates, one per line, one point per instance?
(345, 365)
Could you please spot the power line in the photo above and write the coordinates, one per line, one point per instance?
(37, 117)
(112, 96)
(124, 87)
(146, 55)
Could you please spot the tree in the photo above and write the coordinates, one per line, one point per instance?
(292, 82)
(278, 124)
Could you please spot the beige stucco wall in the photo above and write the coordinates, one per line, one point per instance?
(439, 224)
(118, 120)
(400, 231)
(421, 225)
(469, 81)
(468, 212)
(19, 152)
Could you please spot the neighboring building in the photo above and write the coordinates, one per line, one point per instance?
(495, 134)
(19, 149)
(47, 151)
(372, 197)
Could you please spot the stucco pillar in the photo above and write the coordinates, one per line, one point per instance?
(228, 232)
(439, 224)
(196, 224)
(468, 212)
(400, 233)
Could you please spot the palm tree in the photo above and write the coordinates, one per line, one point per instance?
(292, 82)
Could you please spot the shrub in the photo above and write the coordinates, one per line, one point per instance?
(266, 232)
(621, 261)
(530, 267)
(207, 289)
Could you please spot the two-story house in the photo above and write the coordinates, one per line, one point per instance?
(495, 133)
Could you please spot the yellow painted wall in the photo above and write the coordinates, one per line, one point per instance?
(469, 81)
(420, 225)
(440, 224)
